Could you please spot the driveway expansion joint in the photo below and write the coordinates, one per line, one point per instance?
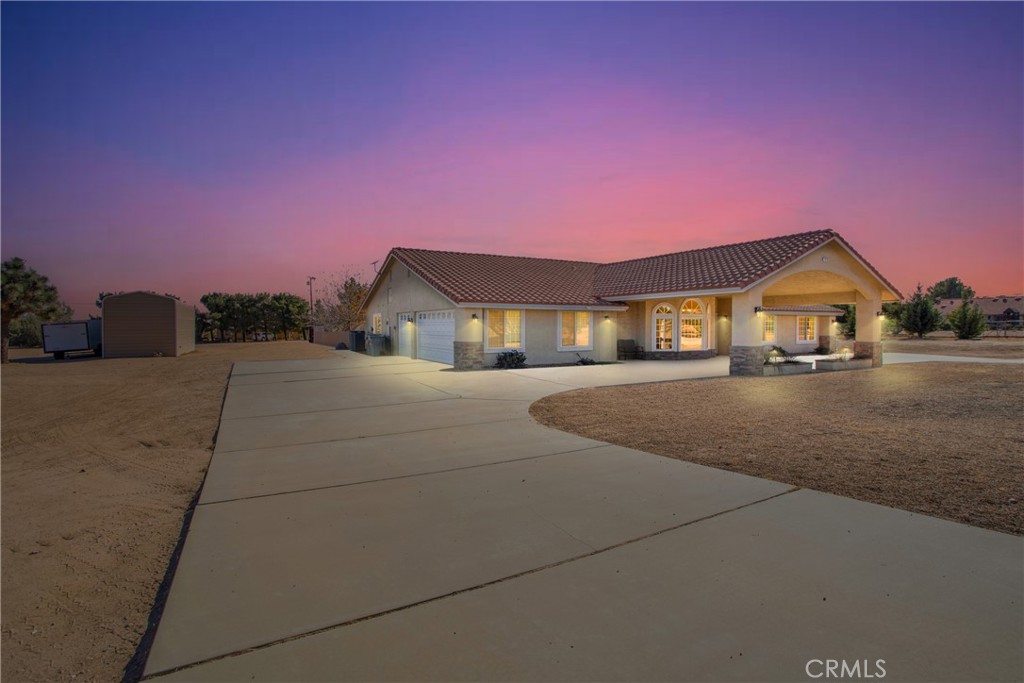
(470, 589)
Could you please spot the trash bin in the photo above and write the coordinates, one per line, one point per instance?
(357, 340)
(375, 345)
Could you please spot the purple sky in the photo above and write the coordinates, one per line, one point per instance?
(190, 147)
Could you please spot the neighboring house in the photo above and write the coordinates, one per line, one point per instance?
(464, 309)
(999, 310)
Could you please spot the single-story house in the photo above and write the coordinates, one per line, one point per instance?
(147, 324)
(464, 309)
(999, 310)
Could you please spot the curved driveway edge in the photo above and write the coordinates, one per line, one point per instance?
(381, 519)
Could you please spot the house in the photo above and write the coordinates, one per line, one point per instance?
(463, 309)
(147, 324)
(1000, 311)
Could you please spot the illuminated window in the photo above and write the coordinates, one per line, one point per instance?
(664, 331)
(504, 329)
(378, 324)
(574, 327)
(691, 325)
(768, 329)
(805, 332)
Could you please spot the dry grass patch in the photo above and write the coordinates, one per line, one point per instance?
(937, 438)
(100, 460)
(945, 344)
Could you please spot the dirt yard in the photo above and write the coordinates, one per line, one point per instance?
(945, 344)
(100, 460)
(937, 438)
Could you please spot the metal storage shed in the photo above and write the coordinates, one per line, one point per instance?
(147, 324)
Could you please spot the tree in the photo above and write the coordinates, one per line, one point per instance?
(339, 308)
(919, 315)
(26, 331)
(103, 295)
(967, 321)
(950, 288)
(893, 317)
(848, 320)
(23, 291)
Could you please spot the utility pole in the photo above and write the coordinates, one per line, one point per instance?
(309, 281)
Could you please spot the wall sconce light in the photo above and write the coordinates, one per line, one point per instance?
(474, 317)
(607, 317)
(880, 313)
(757, 309)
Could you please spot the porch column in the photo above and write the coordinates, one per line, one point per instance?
(746, 357)
(868, 337)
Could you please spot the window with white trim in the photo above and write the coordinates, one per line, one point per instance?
(663, 332)
(575, 330)
(378, 324)
(768, 329)
(805, 329)
(504, 329)
(691, 325)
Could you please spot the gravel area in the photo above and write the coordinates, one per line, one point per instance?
(945, 344)
(100, 461)
(943, 439)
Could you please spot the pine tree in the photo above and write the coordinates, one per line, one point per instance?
(967, 321)
(919, 315)
(24, 291)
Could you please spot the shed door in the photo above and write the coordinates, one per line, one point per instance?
(406, 330)
(435, 336)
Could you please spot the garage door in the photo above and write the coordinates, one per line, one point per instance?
(435, 336)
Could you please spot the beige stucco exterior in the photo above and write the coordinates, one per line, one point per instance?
(829, 274)
(144, 324)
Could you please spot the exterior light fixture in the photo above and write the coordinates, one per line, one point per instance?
(607, 317)
(474, 317)
(880, 313)
(757, 309)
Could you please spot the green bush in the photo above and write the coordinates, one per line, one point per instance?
(26, 331)
(967, 321)
(919, 315)
(510, 360)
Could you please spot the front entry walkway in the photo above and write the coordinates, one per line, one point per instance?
(384, 519)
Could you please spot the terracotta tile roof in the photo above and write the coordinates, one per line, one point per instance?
(726, 267)
(486, 278)
(816, 309)
(989, 305)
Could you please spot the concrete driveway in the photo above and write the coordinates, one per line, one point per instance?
(387, 519)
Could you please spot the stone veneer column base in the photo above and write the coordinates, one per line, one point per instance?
(746, 361)
(469, 355)
(872, 350)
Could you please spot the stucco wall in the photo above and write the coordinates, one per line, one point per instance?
(786, 329)
(541, 333)
(401, 291)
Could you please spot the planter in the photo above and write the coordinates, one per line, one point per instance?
(775, 369)
(834, 365)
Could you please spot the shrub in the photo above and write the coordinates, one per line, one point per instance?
(776, 354)
(919, 315)
(583, 360)
(510, 360)
(967, 321)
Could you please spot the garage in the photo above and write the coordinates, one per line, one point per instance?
(406, 331)
(435, 336)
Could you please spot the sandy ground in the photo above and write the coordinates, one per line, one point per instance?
(938, 438)
(945, 344)
(100, 460)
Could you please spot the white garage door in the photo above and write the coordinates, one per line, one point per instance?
(435, 336)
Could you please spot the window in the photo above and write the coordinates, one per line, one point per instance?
(574, 330)
(768, 329)
(378, 324)
(504, 329)
(691, 325)
(664, 333)
(805, 332)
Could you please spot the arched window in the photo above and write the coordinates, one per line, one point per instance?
(663, 328)
(691, 325)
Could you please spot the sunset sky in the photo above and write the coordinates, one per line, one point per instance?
(194, 147)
